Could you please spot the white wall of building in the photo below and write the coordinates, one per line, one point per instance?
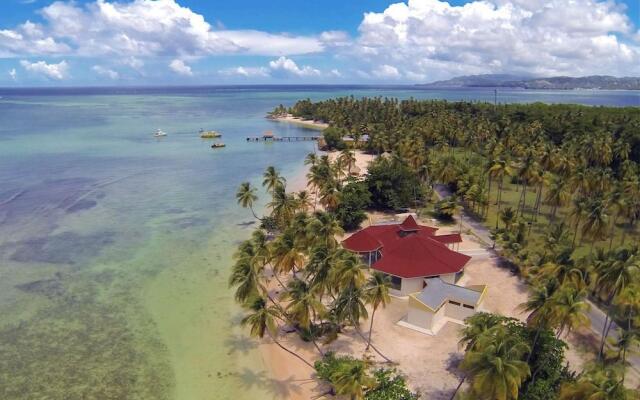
(411, 285)
(458, 312)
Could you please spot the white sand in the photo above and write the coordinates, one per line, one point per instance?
(307, 123)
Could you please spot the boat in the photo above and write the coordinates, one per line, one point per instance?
(159, 133)
(218, 145)
(209, 134)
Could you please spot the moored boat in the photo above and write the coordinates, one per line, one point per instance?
(218, 145)
(209, 134)
(159, 133)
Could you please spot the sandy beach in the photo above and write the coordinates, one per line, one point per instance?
(307, 123)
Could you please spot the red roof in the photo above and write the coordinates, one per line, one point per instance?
(408, 250)
(409, 224)
(361, 242)
(448, 239)
(416, 257)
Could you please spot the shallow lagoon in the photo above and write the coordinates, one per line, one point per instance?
(115, 246)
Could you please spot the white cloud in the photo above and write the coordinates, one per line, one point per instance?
(335, 73)
(106, 72)
(13, 74)
(284, 66)
(141, 28)
(386, 71)
(52, 71)
(180, 68)
(546, 37)
(247, 71)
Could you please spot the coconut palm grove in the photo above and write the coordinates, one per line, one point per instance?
(556, 188)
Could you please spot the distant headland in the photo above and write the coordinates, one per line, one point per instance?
(603, 82)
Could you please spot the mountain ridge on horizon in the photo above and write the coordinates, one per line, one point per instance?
(603, 82)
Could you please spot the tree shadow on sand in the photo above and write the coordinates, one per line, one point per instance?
(240, 344)
(277, 389)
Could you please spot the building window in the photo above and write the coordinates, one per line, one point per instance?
(396, 283)
(468, 306)
(455, 303)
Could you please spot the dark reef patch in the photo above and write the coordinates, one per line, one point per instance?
(79, 348)
(63, 248)
(81, 205)
(50, 288)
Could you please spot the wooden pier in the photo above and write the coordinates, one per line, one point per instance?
(282, 138)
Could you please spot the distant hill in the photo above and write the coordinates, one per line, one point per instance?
(557, 82)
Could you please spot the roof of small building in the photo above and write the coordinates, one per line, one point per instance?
(437, 292)
(409, 250)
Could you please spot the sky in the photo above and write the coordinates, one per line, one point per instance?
(184, 42)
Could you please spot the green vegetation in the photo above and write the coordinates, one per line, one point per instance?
(353, 200)
(351, 377)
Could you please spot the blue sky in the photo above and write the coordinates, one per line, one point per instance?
(109, 42)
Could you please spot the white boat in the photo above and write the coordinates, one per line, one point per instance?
(159, 133)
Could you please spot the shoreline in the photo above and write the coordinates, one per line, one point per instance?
(306, 123)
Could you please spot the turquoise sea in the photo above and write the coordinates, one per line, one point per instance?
(115, 246)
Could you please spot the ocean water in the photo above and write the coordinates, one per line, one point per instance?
(115, 246)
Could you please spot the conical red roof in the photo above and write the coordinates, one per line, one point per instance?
(417, 256)
(409, 224)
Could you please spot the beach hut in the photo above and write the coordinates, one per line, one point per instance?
(268, 135)
(440, 302)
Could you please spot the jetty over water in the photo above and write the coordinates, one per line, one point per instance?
(282, 138)
(270, 137)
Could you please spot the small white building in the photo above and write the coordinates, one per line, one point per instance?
(441, 302)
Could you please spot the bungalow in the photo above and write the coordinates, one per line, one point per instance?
(409, 253)
(423, 268)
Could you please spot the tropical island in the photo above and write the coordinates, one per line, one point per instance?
(446, 250)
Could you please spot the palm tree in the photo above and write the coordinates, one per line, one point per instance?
(303, 306)
(287, 255)
(596, 220)
(352, 379)
(628, 302)
(347, 159)
(282, 206)
(262, 319)
(568, 308)
(376, 293)
(597, 384)
(537, 306)
(626, 341)
(508, 217)
(557, 193)
(499, 170)
(272, 179)
(475, 326)
(323, 229)
(615, 271)
(526, 173)
(495, 365)
(304, 201)
(577, 212)
(246, 195)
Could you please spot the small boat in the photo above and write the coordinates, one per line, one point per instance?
(209, 134)
(218, 145)
(159, 133)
